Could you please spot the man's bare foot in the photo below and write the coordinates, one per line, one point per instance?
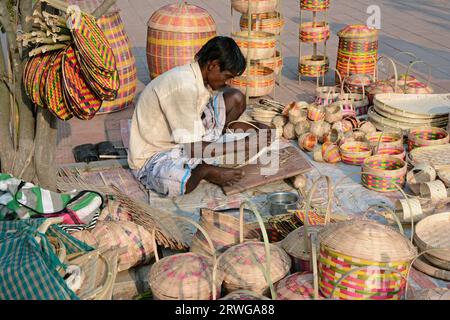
(223, 176)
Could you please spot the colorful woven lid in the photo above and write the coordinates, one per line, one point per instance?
(182, 17)
(298, 286)
(84, 102)
(44, 76)
(185, 276)
(36, 96)
(357, 31)
(244, 295)
(54, 91)
(91, 41)
(367, 240)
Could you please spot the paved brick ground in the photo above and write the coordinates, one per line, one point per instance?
(418, 26)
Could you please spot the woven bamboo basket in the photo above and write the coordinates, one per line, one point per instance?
(353, 104)
(359, 44)
(307, 141)
(316, 112)
(420, 173)
(255, 6)
(434, 190)
(383, 86)
(437, 156)
(444, 175)
(313, 66)
(185, 276)
(260, 83)
(433, 232)
(368, 245)
(284, 224)
(256, 44)
(253, 266)
(333, 114)
(417, 87)
(382, 139)
(395, 151)
(330, 153)
(320, 129)
(222, 229)
(325, 95)
(244, 295)
(358, 83)
(355, 153)
(271, 22)
(314, 32)
(427, 136)
(275, 63)
(314, 5)
(176, 32)
(383, 172)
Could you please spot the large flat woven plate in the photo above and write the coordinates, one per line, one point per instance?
(414, 105)
(37, 79)
(54, 92)
(437, 156)
(434, 232)
(425, 266)
(83, 98)
(31, 68)
(373, 115)
(404, 118)
(45, 72)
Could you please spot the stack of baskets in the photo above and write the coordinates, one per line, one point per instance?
(176, 32)
(260, 24)
(313, 32)
(358, 49)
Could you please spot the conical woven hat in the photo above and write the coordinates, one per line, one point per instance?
(242, 266)
(368, 240)
(182, 17)
(185, 276)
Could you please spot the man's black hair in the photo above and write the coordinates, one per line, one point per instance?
(226, 51)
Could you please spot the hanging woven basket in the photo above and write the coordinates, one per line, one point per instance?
(176, 32)
(261, 81)
(314, 5)
(256, 44)
(363, 244)
(275, 63)
(314, 32)
(185, 276)
(254, 6)
(313, 66)
(271, 22)
(253, 266)
(427, 136)
(383, 172)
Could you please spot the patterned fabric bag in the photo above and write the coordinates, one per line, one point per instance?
(23, 200)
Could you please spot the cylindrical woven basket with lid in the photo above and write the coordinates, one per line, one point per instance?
(255, 6)
(358, 45)
(383, 172)
(426, 136)
(363, 243)
(271, 22)
(176, 32)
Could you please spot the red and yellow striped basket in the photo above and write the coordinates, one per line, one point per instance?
(176, 32)
(261, 81)
(271, 22)
(355, 152)
(395, 151)
(313, 66)
(314, 32)
(314, 5)
(262, 45)
(383, 172)
(383, 139)
(427, 136)
(275, 63)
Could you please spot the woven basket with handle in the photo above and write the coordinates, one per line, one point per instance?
(383, 172)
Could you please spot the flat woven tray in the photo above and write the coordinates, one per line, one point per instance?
(437, 156)
(424, 266)
(434, 232)
(404, 118)
(372, 114)
(414, 105)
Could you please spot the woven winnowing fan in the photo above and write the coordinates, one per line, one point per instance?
(170, 232)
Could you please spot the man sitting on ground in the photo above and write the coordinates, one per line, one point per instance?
(178, 114)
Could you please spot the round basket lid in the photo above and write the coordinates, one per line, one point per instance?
(242, 264)
(183, 276)
(357, 31)
(368, 240)
(434, 232)
(182, 17)
(298, 286)
(244, 295)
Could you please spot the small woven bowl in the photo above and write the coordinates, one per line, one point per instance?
(387, 139)
(383, 172)
(354, 153)
(316, 112)
(426, 136)
(330, 153)
(307, 141)
(395, 151)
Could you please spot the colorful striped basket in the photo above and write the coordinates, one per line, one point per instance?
(314, 5)
(275, 63)
(353, 104)
(256, 44)
(307, 141)
(326, 95)
(383, 86)
(358, 44)
(355, 153)
(260, 83)
(392, 150)
(313, 66)
(314, 32)
(330, 153)
(383, 172)
(271, 22)
(316, 112)
(255, 6)
(175, 34)
(383, 139)
(426, 136)
(417, 87)
(371, 247)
